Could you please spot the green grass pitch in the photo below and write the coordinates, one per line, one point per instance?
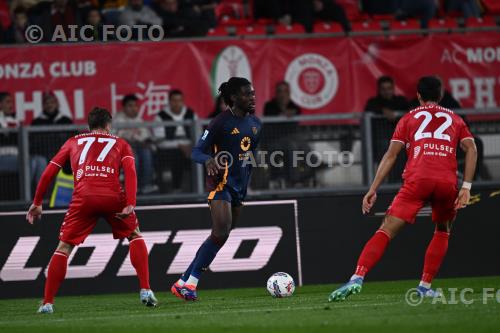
(381, 307)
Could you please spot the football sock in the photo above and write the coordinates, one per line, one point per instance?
(55, 275)
(182, 281)
(187, 273)
(425, 285)
(139, 259)
(192, 281)
(372, 252)
(355, 276)
(206, 255)
(434, 255)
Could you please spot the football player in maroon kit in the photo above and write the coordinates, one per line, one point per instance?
(430, 134)
(96, 159)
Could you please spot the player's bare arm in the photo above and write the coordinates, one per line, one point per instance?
(383, 170)
(469, 147)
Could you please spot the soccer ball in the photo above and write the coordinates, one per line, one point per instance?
(280, 285)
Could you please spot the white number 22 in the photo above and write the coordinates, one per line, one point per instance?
(89, 141)
(438, 133)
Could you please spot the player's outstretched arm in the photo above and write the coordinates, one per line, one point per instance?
(469, 147)
(383, 170)
(35, 210)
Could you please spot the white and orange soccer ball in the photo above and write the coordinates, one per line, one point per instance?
(281, 285)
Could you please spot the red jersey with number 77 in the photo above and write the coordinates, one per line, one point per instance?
(431, 135)
(96, 160)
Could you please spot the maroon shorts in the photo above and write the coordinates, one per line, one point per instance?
(84, 212)
(415, 194)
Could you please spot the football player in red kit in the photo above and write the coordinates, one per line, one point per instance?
(96, 160)
(430, 134)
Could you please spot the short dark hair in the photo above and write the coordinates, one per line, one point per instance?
(232, 87)
(129, 98)
(281, 83)
(430, 88)
(174, 92)
(384, 79)
(99, 118)
(3, 95)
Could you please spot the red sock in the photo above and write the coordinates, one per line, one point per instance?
(139, 259)
(372, 252)
(55, 275)
(434, 255)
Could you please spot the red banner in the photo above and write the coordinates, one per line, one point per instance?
(326, 74)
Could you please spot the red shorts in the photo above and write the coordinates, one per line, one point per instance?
(415, 194)
(84, 212)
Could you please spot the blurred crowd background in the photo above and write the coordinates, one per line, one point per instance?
(190, 18)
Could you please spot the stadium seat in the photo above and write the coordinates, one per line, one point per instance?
(229, 21)
(327, 28)
(442, 25)
(295, 28)
(403, 25)
(218, 31)
(383, 17)
(402, 29)
(366, 26)
(251, 30)
(478, 22)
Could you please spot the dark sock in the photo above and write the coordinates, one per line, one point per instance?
(206, 255)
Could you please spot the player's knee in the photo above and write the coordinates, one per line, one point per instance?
(220, 237)
(65, 248)
(135, 234)
(444, 227)
(391, 226)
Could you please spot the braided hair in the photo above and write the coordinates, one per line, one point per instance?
(232, 87)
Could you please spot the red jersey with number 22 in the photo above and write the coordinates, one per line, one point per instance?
(96, 159)
(431, 135)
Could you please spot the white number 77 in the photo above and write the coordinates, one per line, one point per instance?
(89, 141)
